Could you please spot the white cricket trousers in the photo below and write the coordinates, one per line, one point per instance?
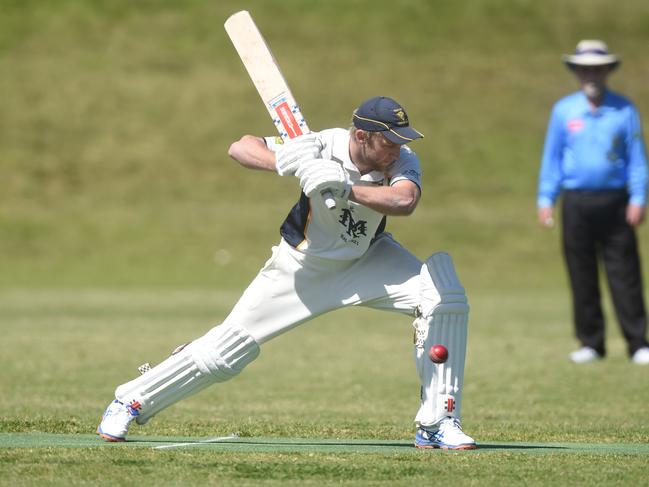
(293, 287)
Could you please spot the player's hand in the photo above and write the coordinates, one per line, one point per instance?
(635, 214)
(545, 216)
(318, 175)
(293, 152)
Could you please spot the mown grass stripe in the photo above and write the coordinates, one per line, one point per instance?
(303, 445)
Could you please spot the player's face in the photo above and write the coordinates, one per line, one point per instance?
(592, 73)
(381, 152)
(592, 79)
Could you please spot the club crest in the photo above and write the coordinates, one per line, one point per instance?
(354, 228)
(401, 115)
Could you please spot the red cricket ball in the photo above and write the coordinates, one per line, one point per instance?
(438, 354)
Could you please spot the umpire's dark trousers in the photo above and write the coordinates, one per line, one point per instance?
(594, 226)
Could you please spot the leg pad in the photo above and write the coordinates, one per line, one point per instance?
(443, 319)
(217, 356)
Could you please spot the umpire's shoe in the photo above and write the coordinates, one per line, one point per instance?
(448, 435)
(116, 420)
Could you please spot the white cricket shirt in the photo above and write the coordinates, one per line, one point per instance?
(344, 233)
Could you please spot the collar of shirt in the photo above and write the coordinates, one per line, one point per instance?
(340, 153)
(586, 108)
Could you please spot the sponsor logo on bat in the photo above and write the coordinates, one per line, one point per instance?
(290, 124)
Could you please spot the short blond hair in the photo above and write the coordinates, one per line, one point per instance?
(370, 134)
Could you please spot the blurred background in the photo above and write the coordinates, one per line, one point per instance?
(125, 229)
(116, 117)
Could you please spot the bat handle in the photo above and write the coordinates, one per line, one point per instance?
(329, 199)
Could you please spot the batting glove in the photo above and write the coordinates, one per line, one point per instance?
(293, 152)
(319, 175)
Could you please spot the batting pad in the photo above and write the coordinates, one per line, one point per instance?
(217, 356)
(443, 319)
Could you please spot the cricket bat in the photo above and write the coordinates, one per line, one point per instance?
(268, 79)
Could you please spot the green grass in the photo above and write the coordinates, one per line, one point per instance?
(106, 466)
(272, 462)
(63, 352)
(116, 118)
(125, 230)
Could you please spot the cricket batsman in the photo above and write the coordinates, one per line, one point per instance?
(328, 259)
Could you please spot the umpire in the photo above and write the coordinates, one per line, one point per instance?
(594, 155)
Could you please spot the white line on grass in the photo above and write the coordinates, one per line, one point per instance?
(193, 443)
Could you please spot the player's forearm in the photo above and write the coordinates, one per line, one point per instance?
(251, 152)
(389, 200)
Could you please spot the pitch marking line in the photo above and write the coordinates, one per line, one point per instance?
(194, 443)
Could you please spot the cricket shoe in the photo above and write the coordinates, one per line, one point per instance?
(585, 355)
(448, 436)
(116, 420)
(641, 356)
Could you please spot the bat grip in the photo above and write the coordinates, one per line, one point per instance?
(329, 199)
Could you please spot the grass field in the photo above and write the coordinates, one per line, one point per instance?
(307, 412)
(125, 230)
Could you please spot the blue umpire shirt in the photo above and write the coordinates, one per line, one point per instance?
(593, 150)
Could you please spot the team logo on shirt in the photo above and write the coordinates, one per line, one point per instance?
(354, 228)
(575, 125)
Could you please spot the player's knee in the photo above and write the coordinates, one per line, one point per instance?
(224, 351)
(440, 288)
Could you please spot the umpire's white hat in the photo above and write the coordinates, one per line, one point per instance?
(591, 53)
